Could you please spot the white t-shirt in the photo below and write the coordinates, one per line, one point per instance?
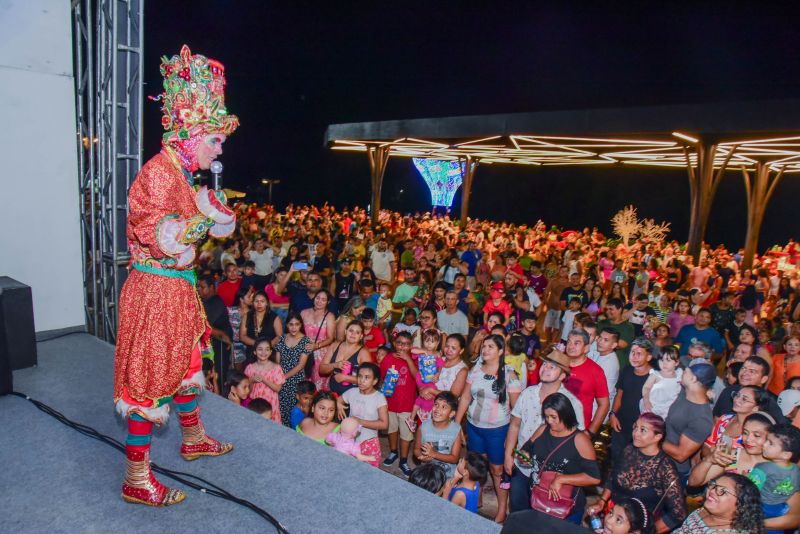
(456, 323)
(529, 410)
(610, 365)
(364, 407)
(381, 263)
(263, 261)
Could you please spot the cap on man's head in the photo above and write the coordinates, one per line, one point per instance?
(705, 373)
(787, 401)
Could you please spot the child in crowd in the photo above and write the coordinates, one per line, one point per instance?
(409, 324)
(266, 375)
(464, 487)
(568, 316)
(517, 358)
(212, 379)
(373, 336)
(497, 303)
(430, 477)
(238, 386)
(384, 308)
(261, 407)
(248, 277)
(732, 373)
(381, 353)
(664, 384)
(438, 439)
(778, 478)
(431, 344)
(323, 418)
(305, 395)
(629, 515)
(400, 364)
(368, 406)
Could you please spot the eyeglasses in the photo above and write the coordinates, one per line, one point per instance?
(741, 396)
(719, 489)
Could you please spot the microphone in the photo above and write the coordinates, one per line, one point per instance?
(216, 173)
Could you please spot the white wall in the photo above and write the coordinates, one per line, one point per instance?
(39, 219)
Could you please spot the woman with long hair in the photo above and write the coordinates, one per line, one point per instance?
(293, 349)
(351, 312)
(320, 327)
(259, 322)
(492, 389)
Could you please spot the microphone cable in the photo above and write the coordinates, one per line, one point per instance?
(187, 479)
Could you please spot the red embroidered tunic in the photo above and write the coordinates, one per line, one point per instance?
(161, 318)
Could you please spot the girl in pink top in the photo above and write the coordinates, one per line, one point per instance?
(680, 318)
(266, 377)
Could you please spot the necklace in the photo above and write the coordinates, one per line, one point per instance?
(258, 325)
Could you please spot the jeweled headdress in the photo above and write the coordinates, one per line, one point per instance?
(193, 100)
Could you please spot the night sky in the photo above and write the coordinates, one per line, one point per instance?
(292, 70)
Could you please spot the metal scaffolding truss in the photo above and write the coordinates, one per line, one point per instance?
(108, 91)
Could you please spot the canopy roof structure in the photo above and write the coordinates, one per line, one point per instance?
(760, 139)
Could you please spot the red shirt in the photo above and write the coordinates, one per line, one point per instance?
(587, 382)
(376, 341)
(227, 291)
(405, 391)
(504, 307)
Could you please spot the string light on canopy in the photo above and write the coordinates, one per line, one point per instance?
(443, 177)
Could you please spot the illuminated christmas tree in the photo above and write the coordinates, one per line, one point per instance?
(443, 179)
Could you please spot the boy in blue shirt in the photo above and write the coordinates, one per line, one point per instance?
(304, 395)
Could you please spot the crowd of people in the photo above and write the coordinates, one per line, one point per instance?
(589, 381)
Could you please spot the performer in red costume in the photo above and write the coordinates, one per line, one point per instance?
(163, 332)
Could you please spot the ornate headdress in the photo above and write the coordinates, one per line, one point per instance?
(193, 101)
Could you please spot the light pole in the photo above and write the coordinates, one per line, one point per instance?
(269, 183)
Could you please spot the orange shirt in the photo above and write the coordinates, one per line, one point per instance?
(782, 373)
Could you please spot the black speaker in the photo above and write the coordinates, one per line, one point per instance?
(17, 335)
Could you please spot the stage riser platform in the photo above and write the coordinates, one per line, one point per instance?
(53, 479)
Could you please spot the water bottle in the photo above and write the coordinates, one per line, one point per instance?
(595, 522)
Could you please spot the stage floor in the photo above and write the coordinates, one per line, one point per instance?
(53, 479)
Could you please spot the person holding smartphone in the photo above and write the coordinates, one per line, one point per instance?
(728, 428)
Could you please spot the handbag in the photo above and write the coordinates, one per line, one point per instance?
(309, 368)
(540, 494)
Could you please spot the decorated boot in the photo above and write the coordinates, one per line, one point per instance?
(195, 441)
(140, 485)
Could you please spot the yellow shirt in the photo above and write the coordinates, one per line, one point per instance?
(517, 361)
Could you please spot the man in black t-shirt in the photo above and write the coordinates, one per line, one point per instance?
(754, 372)
(638, 313)
(343, 283)
(574, 290)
